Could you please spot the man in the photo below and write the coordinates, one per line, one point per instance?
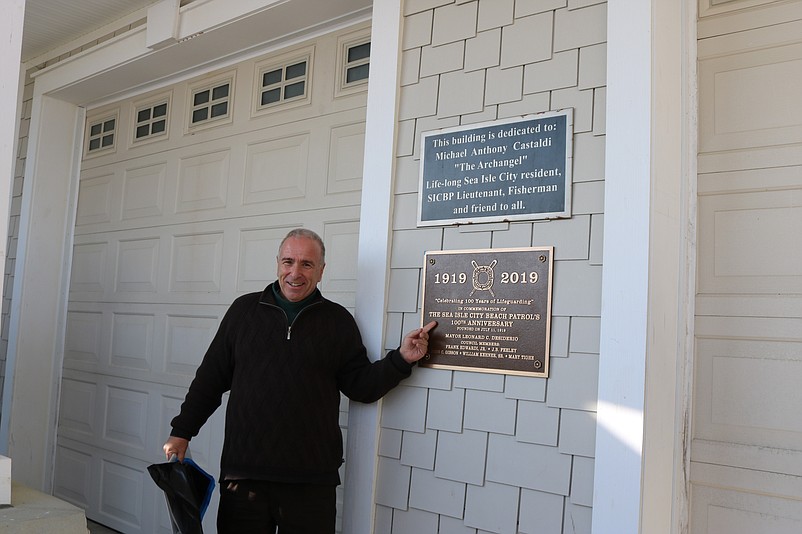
(285, 354)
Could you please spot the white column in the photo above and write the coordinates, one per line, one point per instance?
(10, 80)
(41, 279)
(10, 90)
(672, 268)
(622, 358)
(374, 252)
(648, 268)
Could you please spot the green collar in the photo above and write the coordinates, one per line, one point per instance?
(292, 309)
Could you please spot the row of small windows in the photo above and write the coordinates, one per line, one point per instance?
(277, 85)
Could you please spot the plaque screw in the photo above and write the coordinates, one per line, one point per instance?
(432, 261)
(542, 258)
(537, 365)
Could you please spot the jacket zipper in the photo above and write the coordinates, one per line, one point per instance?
(289, 326)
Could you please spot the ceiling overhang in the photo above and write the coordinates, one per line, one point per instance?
(125, 65)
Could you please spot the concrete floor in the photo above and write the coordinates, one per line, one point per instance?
(97, 528)
(34, 511)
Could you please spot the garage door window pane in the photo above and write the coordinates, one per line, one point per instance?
(356, 64)
(288, 82)
(211, 103)
(101, 135)
(151, 121)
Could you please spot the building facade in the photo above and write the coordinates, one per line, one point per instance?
(161, 159)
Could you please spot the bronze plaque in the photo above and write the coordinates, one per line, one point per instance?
(493, 309)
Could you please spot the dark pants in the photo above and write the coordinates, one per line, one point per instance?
(259, 506)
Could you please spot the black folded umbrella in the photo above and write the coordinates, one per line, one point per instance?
(188, 489)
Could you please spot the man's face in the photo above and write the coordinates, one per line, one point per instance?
(300, 268)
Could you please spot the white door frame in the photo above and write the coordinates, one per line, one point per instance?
(41, 282)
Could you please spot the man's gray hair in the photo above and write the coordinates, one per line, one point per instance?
(309, 234)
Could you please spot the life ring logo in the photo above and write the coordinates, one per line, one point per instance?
(483, 277)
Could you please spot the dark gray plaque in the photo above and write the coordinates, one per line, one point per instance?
(493, 309)
(505, 170)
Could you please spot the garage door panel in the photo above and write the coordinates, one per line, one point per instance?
(117, 489)
(169, 232)
(149, 264)
(170, 338)
(714, 7)
(749, 242)
(749, 305)
(206, 446)
(297, 167)
(132, 341)
(143, 192)
(73, 476)
(79, 408)
(203, 181)
(125, 416)
(94, 200)
(90, 272)
(136, 266)
(728, 181)
(756, 158)
(726, 511)
(122, 493)
(740, 384)
(83, 341)
(738, 109)
(131, 331)
(342, 251)
(347, 151)
(747, 456)
(188, 337)
(734, 326)
(122, 415)
(196, 263)
(746, 447)
(276, 170)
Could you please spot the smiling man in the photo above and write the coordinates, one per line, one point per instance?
(301, 260)
(285, 354)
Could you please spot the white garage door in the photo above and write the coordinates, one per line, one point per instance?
(185, 193)
(746, 456)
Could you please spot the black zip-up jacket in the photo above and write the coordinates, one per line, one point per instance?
(282, 418)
